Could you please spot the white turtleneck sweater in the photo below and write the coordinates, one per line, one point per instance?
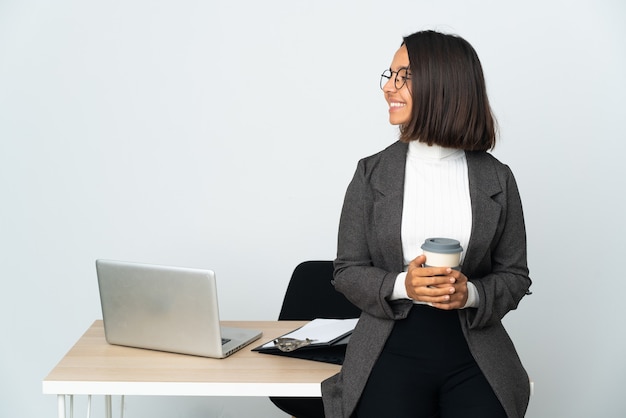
(436, 204)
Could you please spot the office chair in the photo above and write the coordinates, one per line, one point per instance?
(310, 294)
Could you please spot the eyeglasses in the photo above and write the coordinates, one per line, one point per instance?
(402, 75)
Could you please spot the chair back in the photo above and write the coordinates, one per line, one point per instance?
(310, 294)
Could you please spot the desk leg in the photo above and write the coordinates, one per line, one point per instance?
(61, 406)
(107, 406)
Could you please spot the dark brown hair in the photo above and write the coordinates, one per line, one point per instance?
(450, 104)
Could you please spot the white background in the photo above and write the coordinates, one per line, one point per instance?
(223, 134)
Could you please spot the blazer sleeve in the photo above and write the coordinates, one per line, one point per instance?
(502, 278)
(358, 251)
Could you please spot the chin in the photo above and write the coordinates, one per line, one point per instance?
(397, 121)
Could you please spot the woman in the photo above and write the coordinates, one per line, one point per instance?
(430, 342)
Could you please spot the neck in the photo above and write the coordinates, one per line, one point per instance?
(431, 152)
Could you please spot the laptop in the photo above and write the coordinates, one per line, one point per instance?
(164, 308)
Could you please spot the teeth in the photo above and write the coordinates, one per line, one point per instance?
(396, 104)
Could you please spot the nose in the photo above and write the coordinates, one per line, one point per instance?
(389, 85)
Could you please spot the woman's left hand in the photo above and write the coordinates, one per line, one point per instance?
(458, 298)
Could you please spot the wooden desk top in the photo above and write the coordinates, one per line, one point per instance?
(95, 367)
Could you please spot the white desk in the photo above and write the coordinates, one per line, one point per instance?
(94, 367)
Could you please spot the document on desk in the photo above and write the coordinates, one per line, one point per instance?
(320, 331)
(321, 339)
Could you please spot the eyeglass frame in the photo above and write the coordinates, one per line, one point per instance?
(386, 77)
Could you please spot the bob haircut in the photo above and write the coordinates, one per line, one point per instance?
(450, 104)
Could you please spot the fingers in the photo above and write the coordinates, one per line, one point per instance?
(441, 300)
(429, 289)
(443, 287)
(447, 291)
(418, 264)
(417, 261)
(458, 298)
(430, 276)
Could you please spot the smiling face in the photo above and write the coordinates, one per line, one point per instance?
(400, 100)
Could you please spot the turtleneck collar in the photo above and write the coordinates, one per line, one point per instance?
(424, 151)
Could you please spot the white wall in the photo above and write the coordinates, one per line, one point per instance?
(222, 134)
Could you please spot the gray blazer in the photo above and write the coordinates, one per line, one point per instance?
(369, 257)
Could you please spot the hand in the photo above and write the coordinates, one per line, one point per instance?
(443, 287)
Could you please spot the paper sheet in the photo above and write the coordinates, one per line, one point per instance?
(321, 330)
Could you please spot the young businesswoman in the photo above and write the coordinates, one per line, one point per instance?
(430, 342)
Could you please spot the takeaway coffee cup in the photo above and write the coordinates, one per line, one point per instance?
(442, 252)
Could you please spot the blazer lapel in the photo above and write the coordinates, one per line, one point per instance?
(483, 185)
(388, 186)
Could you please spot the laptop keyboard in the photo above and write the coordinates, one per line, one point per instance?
(225, 340)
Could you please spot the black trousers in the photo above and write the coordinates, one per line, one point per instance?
(427, 371)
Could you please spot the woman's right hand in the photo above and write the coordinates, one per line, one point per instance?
(429, 284)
